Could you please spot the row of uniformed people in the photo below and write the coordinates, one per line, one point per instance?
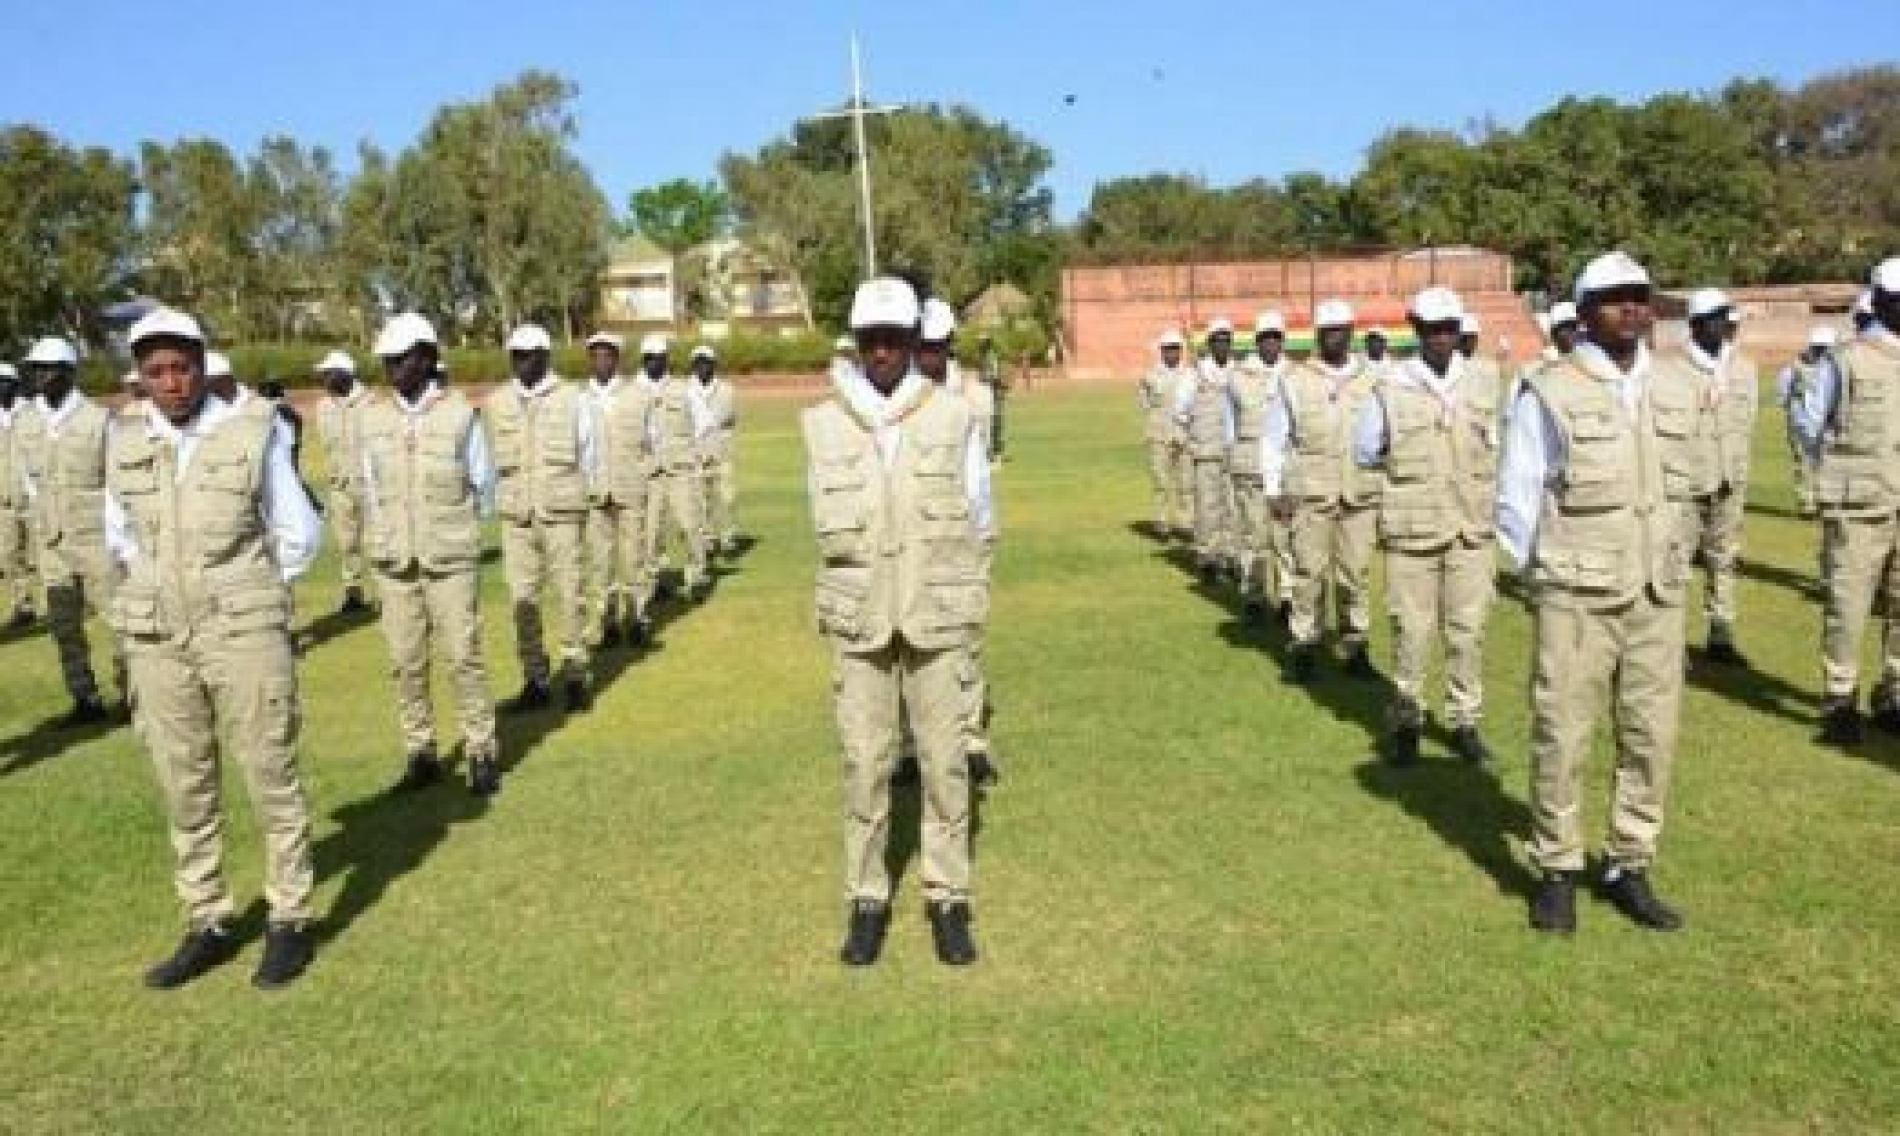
(181, 519)
(1608, 472)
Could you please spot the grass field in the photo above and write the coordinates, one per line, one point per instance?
(1202, 905)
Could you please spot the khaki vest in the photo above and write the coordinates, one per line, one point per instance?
(1157, 390)
(420, 510)
(1320, 467)
(1441, 467)
(68, 473)
(336, 425)
(1859, 472)
(1685, 428)
(538, 473)
(1251, 392)
(675, 450)
(1606, 532)
(623, 459)
(1207, 412)
(204, 564)
(900, 555)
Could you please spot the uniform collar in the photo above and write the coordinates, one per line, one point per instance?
(540, 390)
(210, 412)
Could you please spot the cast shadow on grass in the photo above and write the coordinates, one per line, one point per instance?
(330, 625)
(1806, 585)
(381, 838)
(46, 740)
(1783, 512)
(1753, 689)
(1465, 807)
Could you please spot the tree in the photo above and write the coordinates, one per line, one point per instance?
(200, 229)
(66, 235)
(298, 198)
(951, 187)
(489, 219)
(679, 214)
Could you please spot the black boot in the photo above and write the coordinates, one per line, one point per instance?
(1359, 664)
(422, 770)
(22, 619)
(288, 949)
(1302, 663)
(1629, 892)
(864, 936)
(1284, 613)
(950, 931)
(1840, 721)
(353, 602)
(87, 711)
(484, 776)
(534, 696)
(1253, 610)
(983, 774)
(1886, 709)
(1722, 651)
(1554, 906)
(1466, 741)
(639, 633)
(1402, 748)
(201, 950)
(576, 695)
(610, 633)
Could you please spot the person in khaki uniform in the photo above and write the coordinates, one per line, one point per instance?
(1790, 386)
(1200, 410)
(336, 426)
(544, 459)
(622, 484)
(1432, 428)
(208, 525)
(1583, 512)
(1730, 398)
(1169, 469)
(61, 451)
(936, 361)
(719, 486)
(1259, 547)
(1328, 504)
(616, 502)
(675, 503)
(900, 501)
(1848, 421)
(16, 520)
(426, 481)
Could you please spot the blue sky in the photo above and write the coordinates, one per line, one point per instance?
(1225, 90)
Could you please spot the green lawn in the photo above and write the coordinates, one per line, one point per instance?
(1202, 907)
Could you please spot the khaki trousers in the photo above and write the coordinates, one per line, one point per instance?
(1445, 592)
(1253, 539)
(188, 690)
(616, 553)
(1860, 562)
(421, 608)
(1714, 532)
(16, 557)
(545, 556)
(1210, 509)
(1332, 546)
(876, 696)
(79, 577)
(1632, 654)
(674, 505)
(346, 520)
(719, 490)
(1170, 473)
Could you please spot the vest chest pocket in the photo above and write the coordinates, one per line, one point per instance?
(443, 482)
(225, 475)
(938, 458)
(957, 604)
(838, 513)
(945, 517)
(136, 476)
(1592, 484)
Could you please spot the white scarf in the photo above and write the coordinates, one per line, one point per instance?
(1448, 388)
(1632, 386)
(885, 416)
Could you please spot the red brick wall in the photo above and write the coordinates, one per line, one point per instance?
(1112, 315)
